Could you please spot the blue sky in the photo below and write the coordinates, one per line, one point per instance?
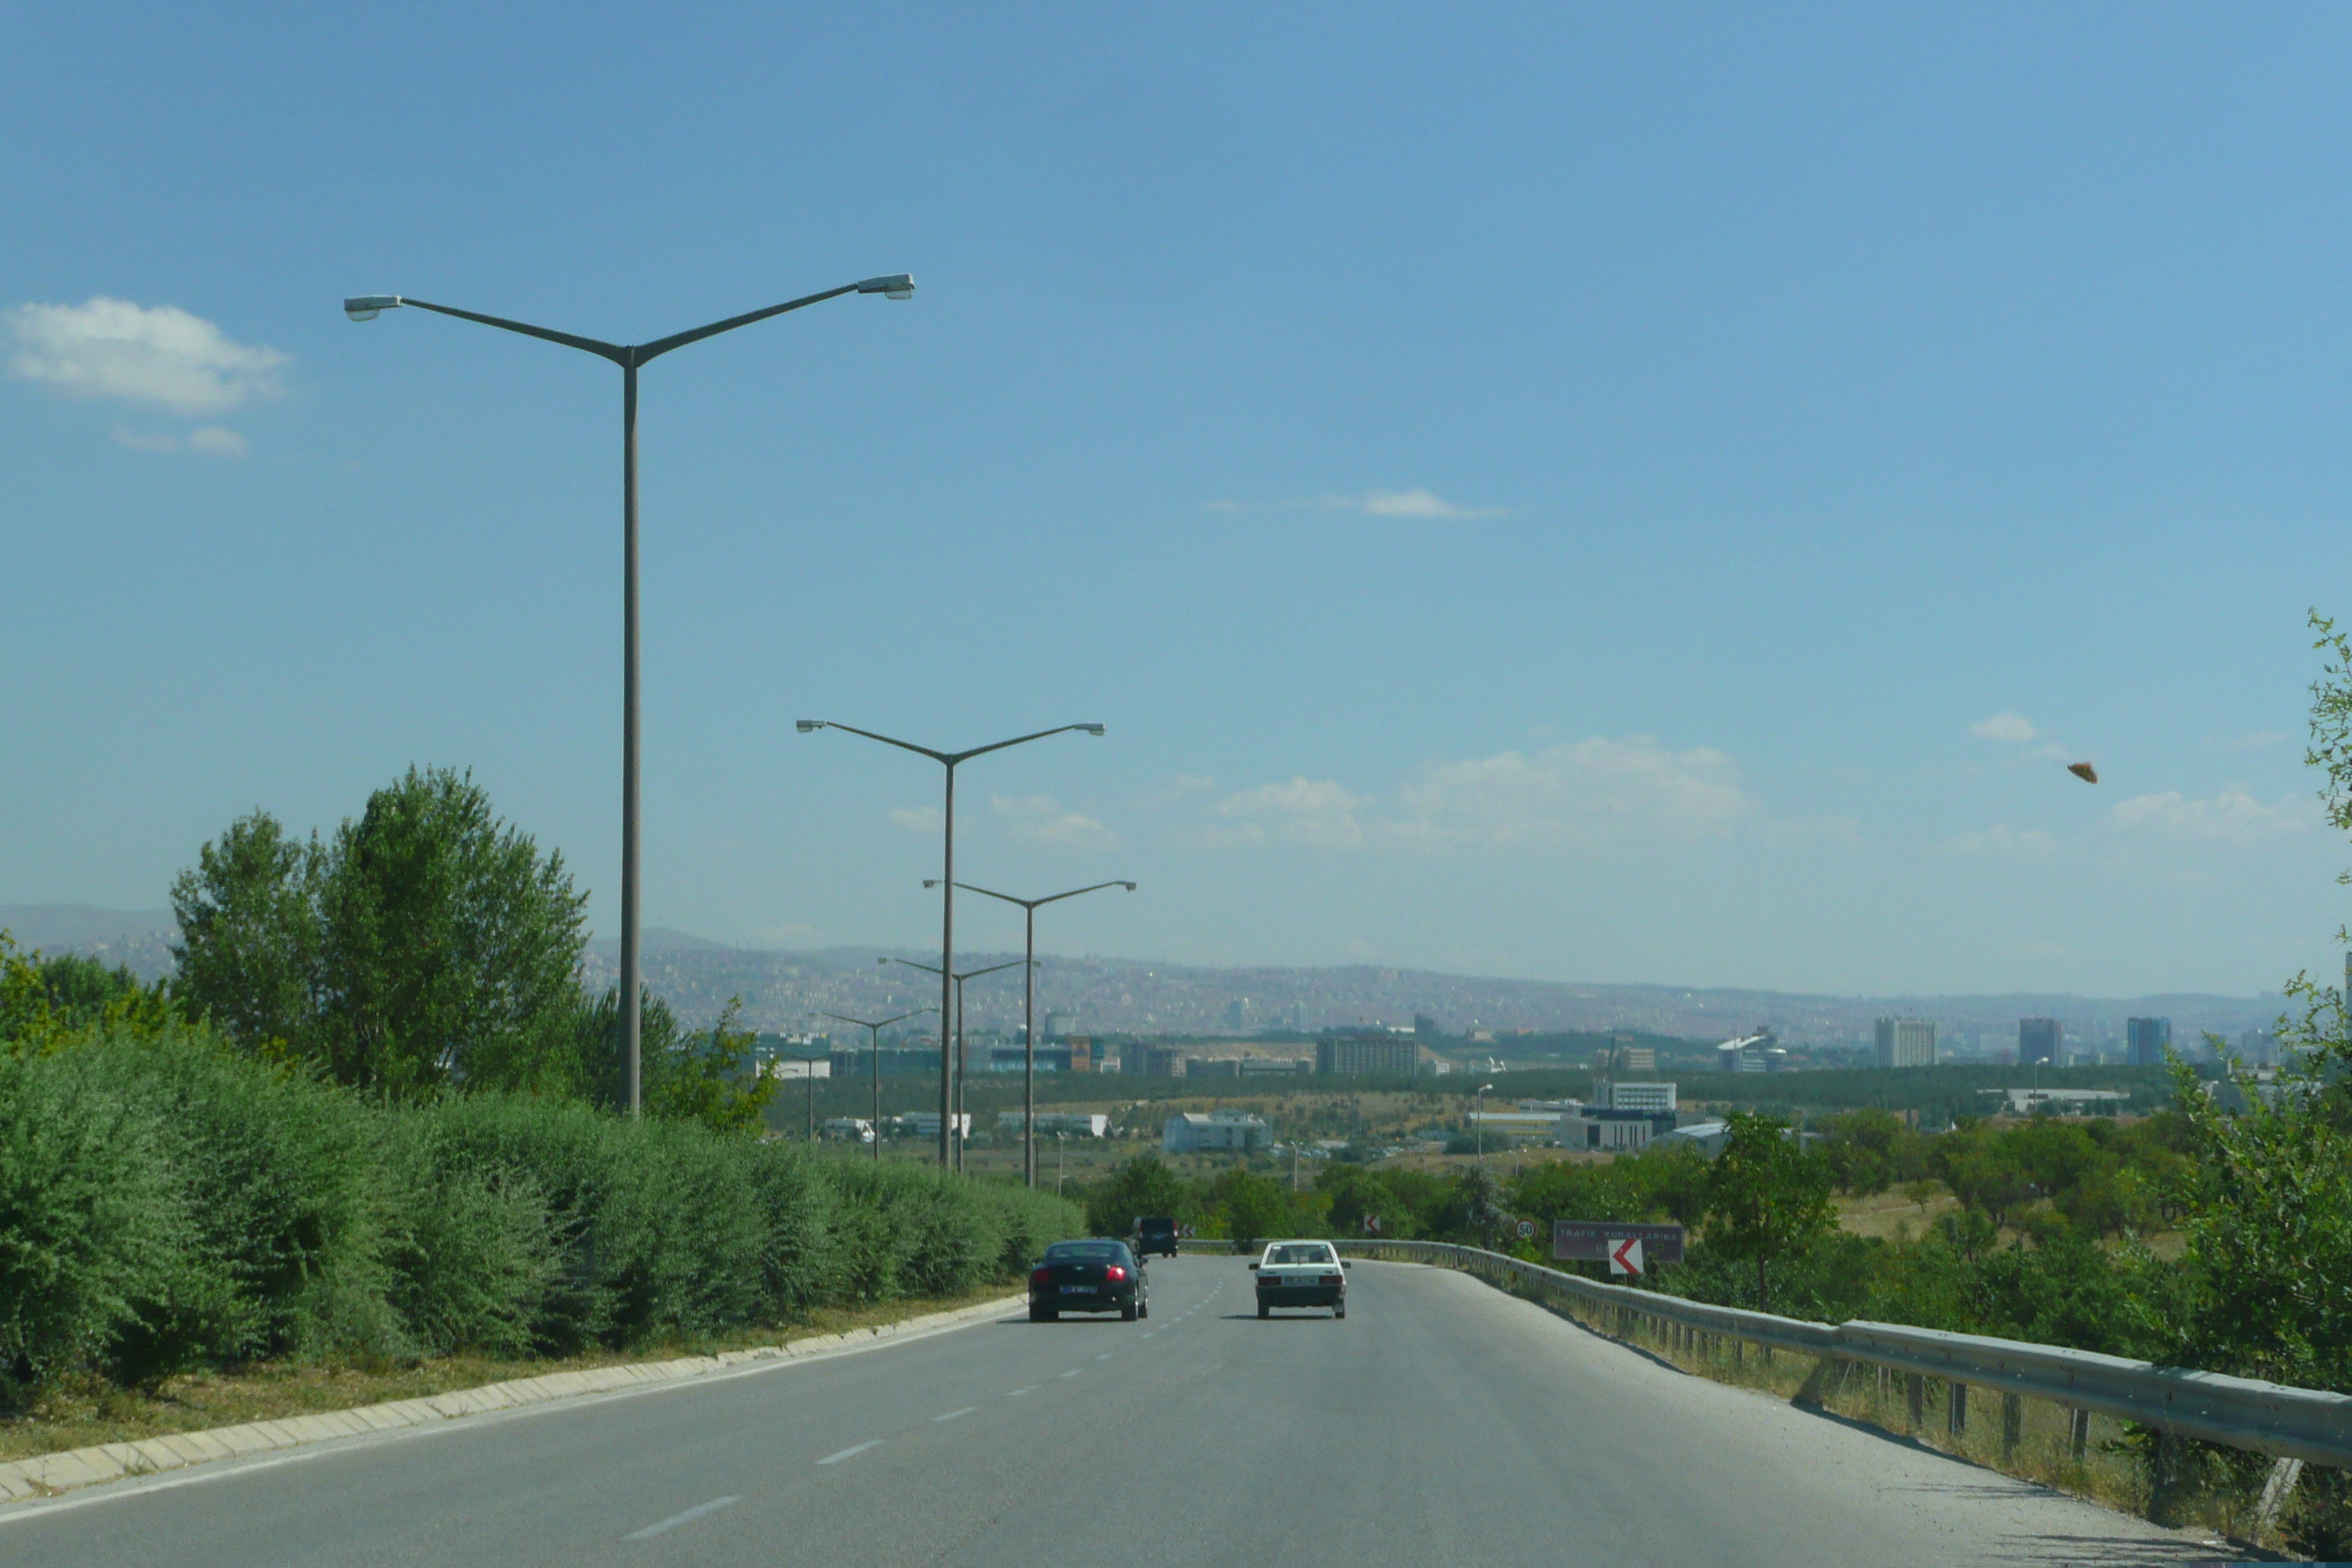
(1547, 491)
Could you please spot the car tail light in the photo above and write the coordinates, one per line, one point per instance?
(1331, 1279)
(1114, 1272)
(1041, 1277)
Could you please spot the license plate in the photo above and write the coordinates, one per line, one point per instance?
(1077, 1289)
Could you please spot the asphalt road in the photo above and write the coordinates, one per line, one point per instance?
(1442, 1422)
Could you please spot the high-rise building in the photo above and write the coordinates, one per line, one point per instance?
(2257, 1049)
(1369, 1053)
(1907, 1042)
(2039, 1040)
(2145, 1040)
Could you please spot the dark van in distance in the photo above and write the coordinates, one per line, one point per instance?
(1155, 1233)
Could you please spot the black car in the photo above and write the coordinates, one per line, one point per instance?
(1088, 1276)
(1155, 1233)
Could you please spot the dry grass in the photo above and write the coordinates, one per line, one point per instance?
(89, 1411)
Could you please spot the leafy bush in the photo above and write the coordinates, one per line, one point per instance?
(168, 1203)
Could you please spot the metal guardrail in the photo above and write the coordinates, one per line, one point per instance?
(2303, 1424)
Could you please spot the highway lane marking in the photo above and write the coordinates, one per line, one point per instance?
(953, 1413)
(851, 1453)
(1072, 1372)
(1019, 1392)
(1147, 1336)
(674, 1520)
(1104, 1356)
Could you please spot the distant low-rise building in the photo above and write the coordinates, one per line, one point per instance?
(1707, 1137)
(1213, 1067)
(1607, 1132)
(1618, 1094)
(1218, 1132)
(1758, 1052)
(1152, 1061)
(1272, 1066)
(855, 1127)
(1066, 1123)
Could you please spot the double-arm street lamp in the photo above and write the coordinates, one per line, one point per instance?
(1029, 1056)
(950, 761)
(952, 1091)
(874, 1028)
(629, 357)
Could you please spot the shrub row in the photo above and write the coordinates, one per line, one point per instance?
(166, 1204)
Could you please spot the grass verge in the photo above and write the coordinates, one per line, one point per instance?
(85, 1412)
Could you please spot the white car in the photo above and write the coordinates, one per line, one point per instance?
(1301, 1274)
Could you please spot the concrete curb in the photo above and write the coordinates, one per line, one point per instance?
(47, 1475)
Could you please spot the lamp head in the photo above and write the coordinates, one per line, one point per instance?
(930, 881)
(368, 307)
(1128, 886)
(1092, 729)
(895, 286)
(808, 726)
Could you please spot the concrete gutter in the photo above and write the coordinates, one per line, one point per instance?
(47, 1475)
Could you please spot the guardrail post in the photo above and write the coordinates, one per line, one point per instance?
(2167, 1469)
(1955, 1417)
(2079, 1432)
(2012, 1423)
(1915, 1392)
(2283, 1474)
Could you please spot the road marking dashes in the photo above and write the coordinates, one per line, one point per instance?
(953, 1413)
(674, 1520)
(1072, 1372)
(1019, 1392)
(850, 1453)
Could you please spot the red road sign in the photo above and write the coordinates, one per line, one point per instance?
(1625, 1258)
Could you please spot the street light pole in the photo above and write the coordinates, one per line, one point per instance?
(1482, 1121)
(1029, 1057)
(947, 760)
(875, 1027)
(951, 1095)
(629, 357)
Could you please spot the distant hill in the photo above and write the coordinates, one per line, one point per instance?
(140, 938)
(787, 991)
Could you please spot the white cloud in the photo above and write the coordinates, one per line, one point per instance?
(1412, 503)
(2001, 839)
(1595, 792)
(163, 356)
(1040, 820)
(1419, 503)
(917, 818)
(2013, 728)
(2230, 817)
(1317, 813)
(2259, 738)
(209, 440)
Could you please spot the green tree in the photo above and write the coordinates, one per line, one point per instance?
(250, 936)
(1137, 1187)
(428, 944)
(1766, 1197)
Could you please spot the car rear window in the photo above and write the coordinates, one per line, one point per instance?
(1083, 1251)
(1299, 1255)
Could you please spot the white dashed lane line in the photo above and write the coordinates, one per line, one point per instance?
(1104, 1356)
(697, 1512)
(851, 1453)
(1019, 1392)
(1072, 1372)
(953, 1413)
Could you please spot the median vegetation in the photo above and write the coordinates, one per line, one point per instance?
(374, 1122)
